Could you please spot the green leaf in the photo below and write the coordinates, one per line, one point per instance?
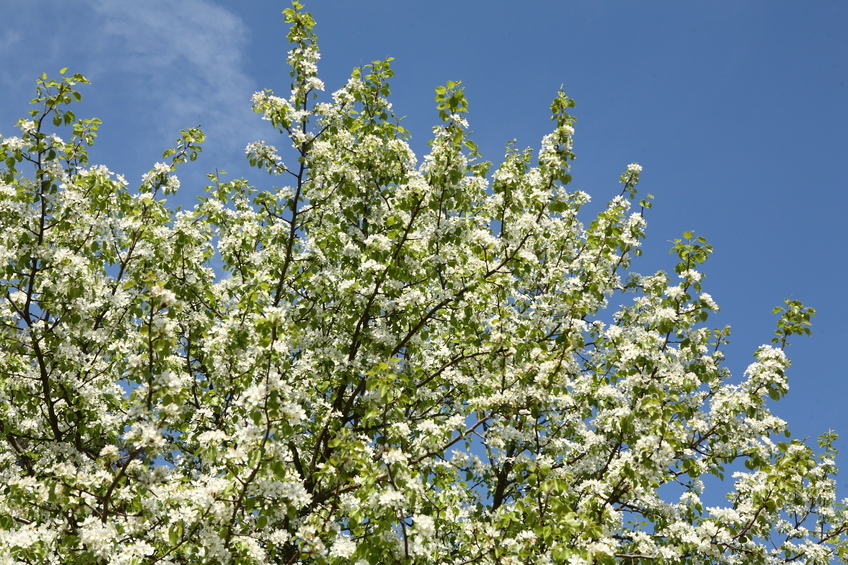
(174, 533)
(257, 417)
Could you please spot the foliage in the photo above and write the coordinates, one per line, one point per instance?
(394, 363)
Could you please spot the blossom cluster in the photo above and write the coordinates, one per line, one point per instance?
(384, 361)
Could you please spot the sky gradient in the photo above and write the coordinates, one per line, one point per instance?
(737, 111)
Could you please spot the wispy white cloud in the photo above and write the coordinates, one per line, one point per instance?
(156, 66)
(185, 56)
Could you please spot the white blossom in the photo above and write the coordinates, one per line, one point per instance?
(343, 547)
(379, 361)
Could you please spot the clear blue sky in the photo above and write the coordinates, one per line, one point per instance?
(738, 112)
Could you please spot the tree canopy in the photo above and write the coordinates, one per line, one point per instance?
(378, 361)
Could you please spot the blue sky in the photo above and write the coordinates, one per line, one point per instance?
(738, 112)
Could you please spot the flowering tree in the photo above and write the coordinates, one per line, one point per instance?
(395, 363)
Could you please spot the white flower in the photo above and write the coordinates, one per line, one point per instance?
(266, 155)
(708, 300)
(674, 292)
(458, 119)
(424, 525)
(390, 499)
(29, 127)
(394, 456)
(691, 275)
(97, 537)
(146, 434)
(172, 184)
(576, 560)
(296, 494)
(293, 413)
(667, 314)
(110, 453)
(613, 332)
(14, 143)
(634, 168)
(315, 83)
(18, 298)
(279, 537)
(342, 546)
(163, 296)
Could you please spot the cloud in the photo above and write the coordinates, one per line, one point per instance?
(185, 56)
(156, 66)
